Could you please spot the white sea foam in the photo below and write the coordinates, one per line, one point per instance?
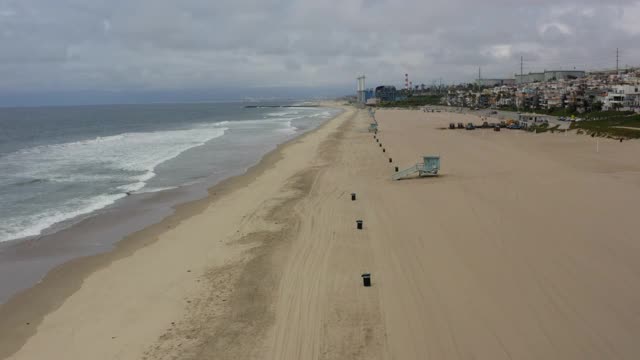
(128, 158)
(287, 128)
(136, 152)
(283, 113)
(24, 226)
(118, 164)
(153, 190)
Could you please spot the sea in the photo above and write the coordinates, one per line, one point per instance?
(62, 165)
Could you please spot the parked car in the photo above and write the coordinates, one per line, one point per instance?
(452, 126)
(496, 128)
(494, 112)
(503, 124)
(460, 126)
(470, 126)
(485, 125)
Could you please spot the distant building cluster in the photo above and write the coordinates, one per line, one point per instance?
(575, 90)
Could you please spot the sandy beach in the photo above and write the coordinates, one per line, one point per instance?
(525, 247)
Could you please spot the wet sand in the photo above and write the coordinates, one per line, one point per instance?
(523, 248)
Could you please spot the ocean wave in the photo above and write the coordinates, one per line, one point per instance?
(153, 190)
(135, 152)
(32, 225)
(287, 128)
(116, 165)
(324, 114)
(283, 113)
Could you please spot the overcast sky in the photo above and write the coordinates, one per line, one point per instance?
(177, 45)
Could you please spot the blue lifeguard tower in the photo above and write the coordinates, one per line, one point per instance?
(429, 166)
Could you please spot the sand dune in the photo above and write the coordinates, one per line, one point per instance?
(523, 248)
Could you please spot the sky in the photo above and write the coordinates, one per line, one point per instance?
(66, 51)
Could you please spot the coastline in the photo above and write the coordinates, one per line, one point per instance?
(523, 247)
(25, 261)
(24, 311)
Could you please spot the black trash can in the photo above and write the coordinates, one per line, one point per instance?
(384, 150)
(359, 224)
(396, 169)
(353, 196)
(366, 279)
(379, 145)
(390, 160)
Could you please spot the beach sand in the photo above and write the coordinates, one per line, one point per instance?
(524, 248)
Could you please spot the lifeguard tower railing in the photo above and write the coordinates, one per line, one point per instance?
(429, 167)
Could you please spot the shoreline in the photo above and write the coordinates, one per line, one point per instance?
(29, 259)
(65, 279)
(522, 238)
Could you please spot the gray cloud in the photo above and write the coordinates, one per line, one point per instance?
(189, 44)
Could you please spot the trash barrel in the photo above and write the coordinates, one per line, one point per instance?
(384, 150)
(380, 145)
(359, 224)
(390, 160)
(396, 169)
(353, 196)
(366, 279)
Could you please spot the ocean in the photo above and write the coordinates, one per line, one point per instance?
(61, 165)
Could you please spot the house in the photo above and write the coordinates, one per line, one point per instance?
(622, 97)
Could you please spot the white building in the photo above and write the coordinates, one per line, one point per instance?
(622, 97)
(550, 75)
